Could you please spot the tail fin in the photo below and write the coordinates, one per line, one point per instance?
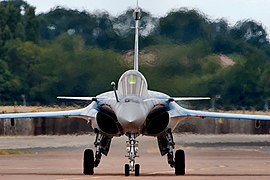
(137, 17)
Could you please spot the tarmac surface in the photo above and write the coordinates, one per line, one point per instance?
(207, 157)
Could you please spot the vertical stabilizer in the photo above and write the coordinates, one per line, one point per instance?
(137, 17)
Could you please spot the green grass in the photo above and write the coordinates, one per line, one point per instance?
(8, 152)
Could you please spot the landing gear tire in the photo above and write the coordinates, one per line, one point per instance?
(180, 167)
(88, 162)
(137, 170)
(126, 169)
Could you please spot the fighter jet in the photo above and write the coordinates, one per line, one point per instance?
(131, 110)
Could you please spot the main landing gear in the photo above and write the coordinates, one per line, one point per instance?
(165, 143)
(166, 146)
(88, 162)
(102, 144)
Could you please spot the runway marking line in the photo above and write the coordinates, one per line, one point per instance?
(69, 179)
(160, 172)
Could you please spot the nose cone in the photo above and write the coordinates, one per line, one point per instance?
(131, 116)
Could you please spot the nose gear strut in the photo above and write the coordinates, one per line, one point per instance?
(132, 150)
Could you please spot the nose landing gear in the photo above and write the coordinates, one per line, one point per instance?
(132, 150)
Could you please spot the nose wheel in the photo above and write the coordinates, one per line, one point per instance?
(137, 170)
(132, 150)
(126, 169)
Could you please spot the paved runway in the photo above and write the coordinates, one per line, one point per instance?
(207, 157)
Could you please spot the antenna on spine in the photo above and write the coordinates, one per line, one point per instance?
(137, 17)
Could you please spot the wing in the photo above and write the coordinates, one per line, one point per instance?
(203, 114)
(190, 98)
(97, 99)
(89, 111)
(78, 112)
(77, 98)
(171, 99)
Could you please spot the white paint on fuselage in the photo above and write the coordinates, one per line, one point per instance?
(132, 110)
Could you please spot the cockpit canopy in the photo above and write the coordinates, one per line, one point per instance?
(132, 83)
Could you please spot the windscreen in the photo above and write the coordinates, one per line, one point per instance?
(132, 83)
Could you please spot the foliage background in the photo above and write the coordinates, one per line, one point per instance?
(75, 53)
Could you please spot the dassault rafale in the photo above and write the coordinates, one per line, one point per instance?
(131, 109)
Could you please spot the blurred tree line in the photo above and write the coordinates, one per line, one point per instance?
(76, 53)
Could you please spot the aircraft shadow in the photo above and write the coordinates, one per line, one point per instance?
(142, 174)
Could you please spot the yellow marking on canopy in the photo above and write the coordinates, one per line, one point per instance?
(132, 79)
